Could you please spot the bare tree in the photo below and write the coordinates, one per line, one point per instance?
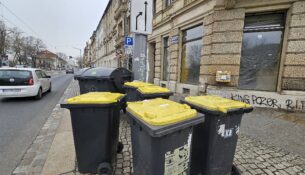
(62, 55)
(4, 38)
(17, 45)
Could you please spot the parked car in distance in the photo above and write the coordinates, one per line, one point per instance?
(24, 82)
(69, 71)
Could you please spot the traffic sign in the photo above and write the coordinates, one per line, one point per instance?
(141, 16)
(128, 41)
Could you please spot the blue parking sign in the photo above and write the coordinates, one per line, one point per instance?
(128, 41)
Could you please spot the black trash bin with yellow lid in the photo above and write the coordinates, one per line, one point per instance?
(80, 72)
(161, 134)
(131, 89)
(95, 121)
(214, 141)
(102, 79)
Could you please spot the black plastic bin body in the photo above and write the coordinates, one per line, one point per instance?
(132, 94)
(80, 72)
(214, 142)
(104, 80)
(95, 131)
(153, 147)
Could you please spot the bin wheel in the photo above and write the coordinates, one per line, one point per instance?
(120, 147)
(235, 170)
(104, 169)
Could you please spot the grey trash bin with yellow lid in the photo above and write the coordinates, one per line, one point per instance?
(214, 141)
(95, 121)
(161, 134)
(131, 89)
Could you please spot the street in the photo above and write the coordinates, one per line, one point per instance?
(21, 120)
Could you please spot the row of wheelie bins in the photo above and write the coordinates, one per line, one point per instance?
(168, 138)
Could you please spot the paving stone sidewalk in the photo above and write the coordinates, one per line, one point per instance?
(252, 156)
(36, 155)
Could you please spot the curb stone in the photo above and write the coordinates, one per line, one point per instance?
(34, 158)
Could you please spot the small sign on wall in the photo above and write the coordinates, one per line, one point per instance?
(223, 76)
(175, 39)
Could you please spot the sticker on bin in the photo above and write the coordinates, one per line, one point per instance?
(227, 132)
(96, 98)
(216, 103)
(177, 161)
(153, 90)
(160, 112)
(137, 84)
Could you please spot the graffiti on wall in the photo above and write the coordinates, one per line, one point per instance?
(289, 104)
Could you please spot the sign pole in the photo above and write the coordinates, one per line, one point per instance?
(140, 57)
(141, 26)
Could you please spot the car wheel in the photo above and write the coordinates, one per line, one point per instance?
(39, 94)
(50, 88)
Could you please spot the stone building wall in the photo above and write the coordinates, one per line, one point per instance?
(223, 22)
(294, 65)
(222, 45)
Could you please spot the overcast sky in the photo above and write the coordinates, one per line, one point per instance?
(62, 24)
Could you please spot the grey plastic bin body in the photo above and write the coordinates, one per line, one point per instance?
(104, 80)
(95, 132)
(132, 94)
(214, 142)
(161, 150)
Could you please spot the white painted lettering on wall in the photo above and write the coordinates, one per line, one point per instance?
(290, 104)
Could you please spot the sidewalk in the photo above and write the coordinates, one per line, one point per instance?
(271, 142)
(55, 72)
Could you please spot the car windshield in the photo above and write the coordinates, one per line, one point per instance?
(22, 74)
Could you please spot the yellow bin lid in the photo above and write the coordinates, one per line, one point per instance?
(96, 98)
(137, 84)
(153, 89)
(216, 103)
(160, 112)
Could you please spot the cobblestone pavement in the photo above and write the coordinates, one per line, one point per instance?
(252, 156)
(35, 157)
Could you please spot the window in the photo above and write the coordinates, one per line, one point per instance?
(261, 51)
(39, 74)
(168, 2)
(166, 59)
(154, 7)
(191, 54)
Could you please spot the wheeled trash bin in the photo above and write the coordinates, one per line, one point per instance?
(214, 141)
(151, 92)
(80, 72)
(95, 121)
(161, 135)
(131, 89)
(104, 80)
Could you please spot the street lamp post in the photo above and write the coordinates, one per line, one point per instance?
(80, 52)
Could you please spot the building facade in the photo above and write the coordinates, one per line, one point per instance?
(248, 50)
(46, 60)
(105, 38)
(106, 45)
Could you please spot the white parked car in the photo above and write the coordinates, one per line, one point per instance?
(24, 82)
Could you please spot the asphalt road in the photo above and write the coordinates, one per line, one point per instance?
(21, 120)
